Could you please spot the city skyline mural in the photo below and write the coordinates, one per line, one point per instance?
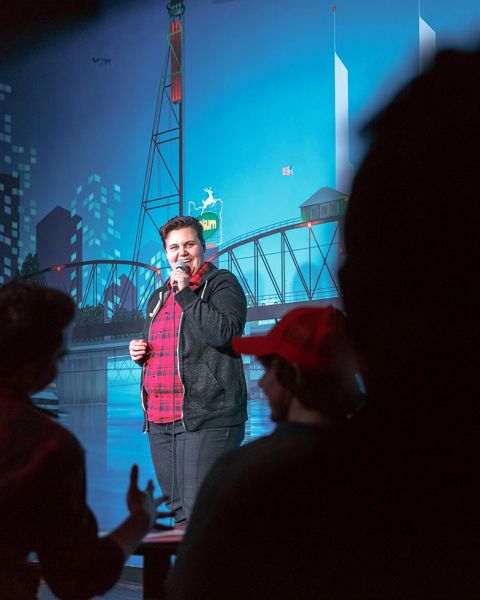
(275, 94)
(266, 86)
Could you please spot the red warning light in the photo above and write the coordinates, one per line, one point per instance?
(58, 268)
(176, 60)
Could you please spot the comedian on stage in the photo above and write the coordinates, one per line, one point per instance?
(193, 386)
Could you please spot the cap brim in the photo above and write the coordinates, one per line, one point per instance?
(259, 345)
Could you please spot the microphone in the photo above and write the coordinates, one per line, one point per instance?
(180, 264)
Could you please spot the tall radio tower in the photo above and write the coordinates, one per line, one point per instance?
(162, 195)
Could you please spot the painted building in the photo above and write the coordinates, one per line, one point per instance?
(9, 221)
(59, 242)
(96, 203)
(18, 161)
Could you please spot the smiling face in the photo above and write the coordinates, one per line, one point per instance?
(183, 244)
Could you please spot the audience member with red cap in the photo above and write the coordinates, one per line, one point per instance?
(264, 507)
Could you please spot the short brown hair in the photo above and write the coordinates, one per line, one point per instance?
(180, 222)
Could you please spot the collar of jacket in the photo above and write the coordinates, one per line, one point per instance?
(207, 275)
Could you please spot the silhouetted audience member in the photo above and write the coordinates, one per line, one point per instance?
(42, 467)
(265, 507)
(410, 283)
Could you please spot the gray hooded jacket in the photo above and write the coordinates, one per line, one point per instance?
(215, 393)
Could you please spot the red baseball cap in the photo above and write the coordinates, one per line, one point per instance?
(312, 337)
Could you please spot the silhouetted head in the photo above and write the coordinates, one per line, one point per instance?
(307, 357)
(412, 227)
(33, 320)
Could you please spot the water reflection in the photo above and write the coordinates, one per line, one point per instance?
(112, 435)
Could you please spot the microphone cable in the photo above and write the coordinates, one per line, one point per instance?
(174, 442)
(180, 264)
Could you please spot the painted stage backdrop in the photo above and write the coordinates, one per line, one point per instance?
(274, 93)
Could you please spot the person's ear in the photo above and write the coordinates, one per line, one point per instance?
(288, 376)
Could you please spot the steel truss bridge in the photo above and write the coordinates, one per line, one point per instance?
(281, 266)
(278, 266)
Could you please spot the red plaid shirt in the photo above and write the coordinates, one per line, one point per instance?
(161, 378)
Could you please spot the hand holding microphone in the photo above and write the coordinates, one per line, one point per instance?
(179, 279)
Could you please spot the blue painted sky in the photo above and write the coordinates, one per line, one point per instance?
(259, 94)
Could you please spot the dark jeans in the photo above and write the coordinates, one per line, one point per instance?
(182, 459)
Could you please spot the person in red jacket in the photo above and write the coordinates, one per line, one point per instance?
(43, 507)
